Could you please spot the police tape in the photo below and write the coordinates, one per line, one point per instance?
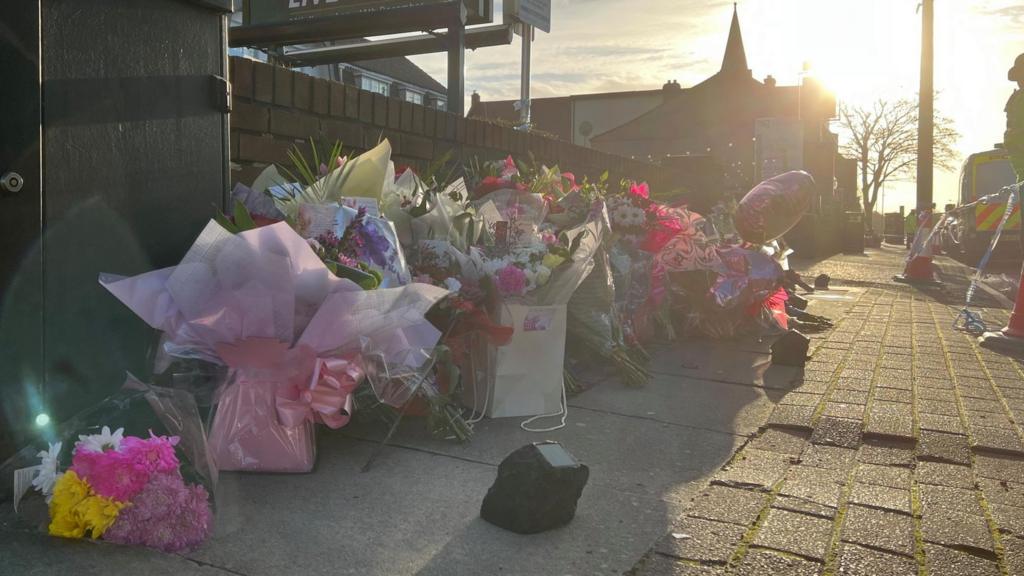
(966, 319)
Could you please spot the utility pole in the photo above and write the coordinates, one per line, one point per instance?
(926, 108)
(524, 81)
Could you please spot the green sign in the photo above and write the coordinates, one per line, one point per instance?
(269, 12)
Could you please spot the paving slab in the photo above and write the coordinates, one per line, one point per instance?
(804, 506)
(940, 423)
(996, 439)
(943, 447)
(894, 499)
(701, 540)
(999, 467)
(886, 453)
(1013, 555)
(660, 565)
(891, 476)
(787, 416)
(1002, 491)
(942, 561)
(856, 560)
(759, 562)
(788, 442)
(754, 468)
(956, 529)
(807, 536)
(818, 485)
(943, 474)
(829, 457)
(726, 504)
(879, 529)
(1009, 519)
(840, 432)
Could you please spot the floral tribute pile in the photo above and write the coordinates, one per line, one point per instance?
(349, 285)
(124, 489)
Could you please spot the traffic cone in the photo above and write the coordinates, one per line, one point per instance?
(1009, 340)
(919, 269)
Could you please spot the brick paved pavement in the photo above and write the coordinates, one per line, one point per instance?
(898, 452)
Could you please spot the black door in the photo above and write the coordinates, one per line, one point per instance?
(21, 214)
(134, 153)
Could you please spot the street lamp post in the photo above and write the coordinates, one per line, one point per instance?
(926, 108)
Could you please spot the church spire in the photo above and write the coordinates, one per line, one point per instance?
(735, 60)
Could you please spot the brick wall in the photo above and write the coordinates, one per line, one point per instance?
(275, 108)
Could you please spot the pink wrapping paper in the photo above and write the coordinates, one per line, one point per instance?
(264, 304)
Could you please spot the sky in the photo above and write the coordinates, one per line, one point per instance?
(861, 49)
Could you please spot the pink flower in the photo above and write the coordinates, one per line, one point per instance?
(166, 515)
(640, 190)
(509, 168)
(511, 280)
(155, 454)
(112, 474)
(548, 238)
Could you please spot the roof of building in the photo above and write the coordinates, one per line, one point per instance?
(709, 105)
(403, 70)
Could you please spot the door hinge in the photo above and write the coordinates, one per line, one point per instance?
(220, 88)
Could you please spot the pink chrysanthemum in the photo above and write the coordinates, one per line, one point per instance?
(511, 280)
(166, 515)
(154, 454)
(111, 474)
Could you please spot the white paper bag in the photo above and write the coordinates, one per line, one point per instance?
(528, 370)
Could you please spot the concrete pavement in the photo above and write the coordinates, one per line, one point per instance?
(898, 453)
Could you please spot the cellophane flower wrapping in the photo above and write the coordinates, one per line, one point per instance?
(133, 469)
(292, 333)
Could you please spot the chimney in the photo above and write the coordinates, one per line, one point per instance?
(474, 100)
(769, 81)
(671, 88)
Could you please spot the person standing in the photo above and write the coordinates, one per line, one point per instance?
(910, 226)
(1013, 138)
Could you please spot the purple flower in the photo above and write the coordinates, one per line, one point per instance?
(375, 247)
(511, 280)
(166, 515)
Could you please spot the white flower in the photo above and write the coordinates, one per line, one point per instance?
(452, 284)
(47, 475)
(102, 441)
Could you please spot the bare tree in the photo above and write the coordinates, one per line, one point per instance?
(882, 138)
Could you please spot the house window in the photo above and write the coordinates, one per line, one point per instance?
(433, 101)
(373, 85)
(414, 97)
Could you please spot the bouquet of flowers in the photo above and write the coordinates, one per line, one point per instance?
(294, 334)
(149, 489)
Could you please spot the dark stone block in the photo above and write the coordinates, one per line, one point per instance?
(537, 488)
(790, 349)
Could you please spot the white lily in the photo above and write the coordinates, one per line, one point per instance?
(101, 442)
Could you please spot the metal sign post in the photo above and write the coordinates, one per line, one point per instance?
(529, 14)
(524, 96)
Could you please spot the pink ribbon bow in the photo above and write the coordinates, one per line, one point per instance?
(307, 387)
(328, 397)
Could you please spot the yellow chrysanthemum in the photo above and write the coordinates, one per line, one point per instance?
(66, 524)
(98, 513)
(67, 493)
(75, 509)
